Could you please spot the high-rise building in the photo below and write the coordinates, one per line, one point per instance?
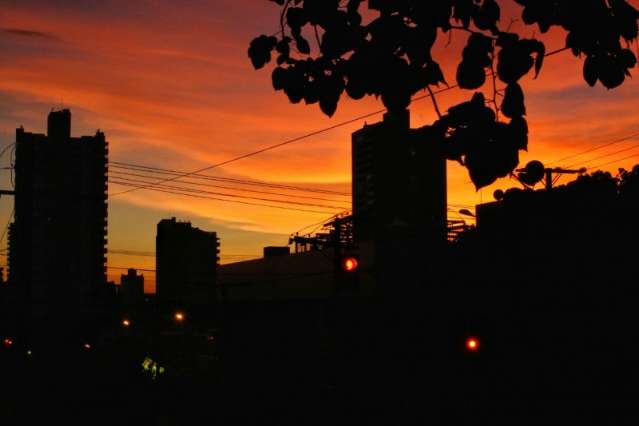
(186, 263)
(399, 180)
(131, 288)
(58, 238)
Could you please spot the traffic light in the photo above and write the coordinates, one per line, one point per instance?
(350, 264)
(347, 268)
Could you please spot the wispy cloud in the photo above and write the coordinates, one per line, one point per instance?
(30, 34)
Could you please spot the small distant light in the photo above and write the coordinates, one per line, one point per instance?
(179, 316)
(7, 342)
(472, 344)
(29, 352)
(87, 346)
(211, 338)
(126, 322)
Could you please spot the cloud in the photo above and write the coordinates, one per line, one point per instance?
(30, 34)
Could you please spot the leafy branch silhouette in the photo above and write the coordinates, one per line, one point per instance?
(390, 57)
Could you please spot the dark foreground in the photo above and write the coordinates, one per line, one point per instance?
(325, 363)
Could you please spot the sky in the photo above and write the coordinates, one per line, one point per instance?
(171, 85)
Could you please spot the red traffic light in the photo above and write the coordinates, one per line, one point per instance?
(350, 264)
(472, 344)
(7, 341)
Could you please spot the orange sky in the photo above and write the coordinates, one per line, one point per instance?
(172, 87)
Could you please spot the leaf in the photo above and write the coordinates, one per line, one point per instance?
(518, 129)
(279, 77)
(513, 103)
(296, 17)
(260, 50)
(302, 45)
(539, 49)
(591, 71)
(283, 46)
(628, 58)
(514, 62)
(487, 16)
(470, 75)
(611, 72)
(434, 74)
(330, 90)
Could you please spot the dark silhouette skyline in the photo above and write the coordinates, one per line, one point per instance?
(521, 311)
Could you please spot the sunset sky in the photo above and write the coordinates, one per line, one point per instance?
(172, 87)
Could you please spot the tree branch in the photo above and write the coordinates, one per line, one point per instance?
(317, 38)
(284, 9)
(468, 30)
(554, 52)
(432, 96)
(495, 90)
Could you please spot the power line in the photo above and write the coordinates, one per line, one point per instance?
(614, 161)
(152, 254)
(9, 146)
(606, 155)
(222, 194)
(157, 170)
(117, 173)
(126, 269)
(596, 148)
(221, 199)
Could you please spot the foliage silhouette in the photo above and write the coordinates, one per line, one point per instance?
(389, 56)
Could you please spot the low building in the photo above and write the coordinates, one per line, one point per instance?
(132, 288)
(300, 276)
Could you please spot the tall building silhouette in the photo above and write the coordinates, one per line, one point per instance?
(186, 263)
(58, 238)
(398, 181)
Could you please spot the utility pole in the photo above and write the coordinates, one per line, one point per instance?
(558, 170)
(535, 172)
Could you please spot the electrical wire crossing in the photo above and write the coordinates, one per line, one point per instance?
(272, 147)
(119, 174)
(297, 139)
(122, 180)
(156, 170)
(221, 199)
(596, 148)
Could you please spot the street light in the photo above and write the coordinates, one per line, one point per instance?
(179, 316)
(126, 322)
(472, 344)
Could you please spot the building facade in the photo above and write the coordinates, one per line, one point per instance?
(186, 263)
(58, 238)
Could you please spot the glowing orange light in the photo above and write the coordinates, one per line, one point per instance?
(472, 344)
(126, 322)
(179, 316)
(350, 264)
